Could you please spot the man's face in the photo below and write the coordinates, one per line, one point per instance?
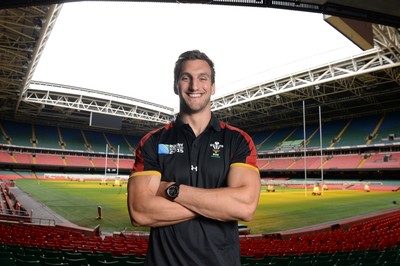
(195, 87)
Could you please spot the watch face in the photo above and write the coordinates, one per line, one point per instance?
(173, 191)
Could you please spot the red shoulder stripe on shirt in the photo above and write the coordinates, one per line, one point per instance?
(252, 158)
(138, 165)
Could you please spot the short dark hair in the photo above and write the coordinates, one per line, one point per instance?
(192, 55)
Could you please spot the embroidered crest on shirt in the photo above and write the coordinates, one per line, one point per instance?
(216, 148)
(170, 148)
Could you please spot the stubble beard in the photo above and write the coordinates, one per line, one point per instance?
(188, 108)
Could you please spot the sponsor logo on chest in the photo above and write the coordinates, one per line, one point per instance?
(170, 148)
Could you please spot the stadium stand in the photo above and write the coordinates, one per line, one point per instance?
(72, 139)
(353, 241)
(358, 130)
(49, 159)
(19, 134)
(23, 158)
(96, 141)
(51, 140)
(343, 162)
(46, 136)
(366, 147)
(389, 129)
(374, 239)
(6, 157)
(115, 140)
(273, 139)
(77, 161)
(382, 160)
(310, 163)
(330, 134)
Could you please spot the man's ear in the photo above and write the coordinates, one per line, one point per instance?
(213, 89)
(176, 89)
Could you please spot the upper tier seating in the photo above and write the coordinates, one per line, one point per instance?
(47, 137)
(389, 130)
(358, 131)
(19, 133)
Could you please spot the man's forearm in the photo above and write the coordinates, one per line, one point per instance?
(224, 204)
(159, 212)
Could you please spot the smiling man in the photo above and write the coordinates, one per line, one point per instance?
(195, 178)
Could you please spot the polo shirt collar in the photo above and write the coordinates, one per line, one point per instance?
(214, 122)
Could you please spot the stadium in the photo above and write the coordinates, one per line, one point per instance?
(327, 138)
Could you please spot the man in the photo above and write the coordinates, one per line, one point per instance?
(193, 179)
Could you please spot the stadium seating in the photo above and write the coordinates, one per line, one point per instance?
(375, 239)
(72, 139)
(382, 161)
(23, 158)
(309, 162)
(46, 136)
(343, 162)
(389, 127)
(77, 161)
(346, 132)
(49, 159)
(358, 130)
(6, 157)
(20, 134)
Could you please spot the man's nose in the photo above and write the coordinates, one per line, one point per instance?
(194, 84)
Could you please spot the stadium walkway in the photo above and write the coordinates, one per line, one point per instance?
(40, 212)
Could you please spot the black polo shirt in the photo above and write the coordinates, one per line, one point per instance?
(174, 153)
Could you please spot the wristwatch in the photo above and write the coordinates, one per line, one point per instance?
(172, 191)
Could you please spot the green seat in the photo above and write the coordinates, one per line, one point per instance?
(92, 259)
(107, 255)
(26, 257)
(15, 249)
(284, 261)
(300, 263)
(391, 263)
(120, 259)
(20, 262)
(113, 263)
(7, 261)
(55, 264)
(52, 253)
(73, 255)
(33, 251)
(6, 254)
(44, 259)
(76, 262)
(324, 263)
(128, 263)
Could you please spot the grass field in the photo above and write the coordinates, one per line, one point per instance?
(278, 211)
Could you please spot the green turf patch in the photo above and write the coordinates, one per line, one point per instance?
(293, 208)
(78, 202)
(277, 211)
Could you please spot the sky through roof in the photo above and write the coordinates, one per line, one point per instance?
(130, 48)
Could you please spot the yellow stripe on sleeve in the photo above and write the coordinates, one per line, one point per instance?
(245, 165)
(156, 173)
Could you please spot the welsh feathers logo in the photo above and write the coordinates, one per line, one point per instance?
(216, 149)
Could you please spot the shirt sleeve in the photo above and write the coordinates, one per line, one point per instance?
(146, 158)
(245, 151)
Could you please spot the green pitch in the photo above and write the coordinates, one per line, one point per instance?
(277, 211)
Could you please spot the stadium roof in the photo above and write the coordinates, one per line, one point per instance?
(365, 84)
